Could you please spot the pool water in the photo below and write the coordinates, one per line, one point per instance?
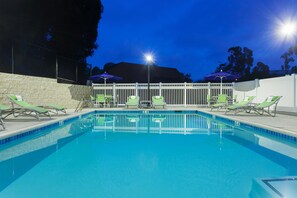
(185, 154)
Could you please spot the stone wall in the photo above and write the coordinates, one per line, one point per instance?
(39, 91)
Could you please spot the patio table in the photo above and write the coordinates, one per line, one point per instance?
(145, 104)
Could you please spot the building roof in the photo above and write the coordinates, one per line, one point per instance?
(132, 73)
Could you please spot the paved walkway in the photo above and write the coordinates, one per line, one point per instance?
(281, 123)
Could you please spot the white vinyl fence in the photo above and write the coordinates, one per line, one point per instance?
(175, 94)
(285, 86)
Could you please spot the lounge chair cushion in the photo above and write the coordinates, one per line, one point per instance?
(270, 98)
(4, 107)
(18, 98)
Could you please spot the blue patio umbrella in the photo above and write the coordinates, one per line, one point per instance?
(105, 76)
(221, 75)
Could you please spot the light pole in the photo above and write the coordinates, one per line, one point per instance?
(149, 60)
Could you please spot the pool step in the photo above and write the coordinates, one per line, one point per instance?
(274, 187)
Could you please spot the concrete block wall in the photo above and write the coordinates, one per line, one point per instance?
(39, 91)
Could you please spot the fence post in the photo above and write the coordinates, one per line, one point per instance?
(208, 92)
(114, 97)
(185, 94)
(233, 84)
(160, 89)
(136, 89)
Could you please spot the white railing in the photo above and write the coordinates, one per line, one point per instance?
(175, 94)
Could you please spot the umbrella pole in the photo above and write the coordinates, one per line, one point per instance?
(221, 90)
(104, 92)
(104, 87)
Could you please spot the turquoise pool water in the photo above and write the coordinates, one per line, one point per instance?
(160, 154)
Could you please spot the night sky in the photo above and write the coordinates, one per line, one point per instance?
(192, 35)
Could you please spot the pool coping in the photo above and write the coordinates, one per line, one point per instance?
(282, 133)
(50, 122)
(262, 126)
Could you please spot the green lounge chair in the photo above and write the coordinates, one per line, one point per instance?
(100, 99)
(243, 105)
(158, 101)
(26, 108)
(209, 100)
(4, 109)
(133, 102)
(222, 101)
(54, 108)
(265, 106)
(92, 100)
(1, 121)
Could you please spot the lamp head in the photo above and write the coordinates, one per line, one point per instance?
(149, 58)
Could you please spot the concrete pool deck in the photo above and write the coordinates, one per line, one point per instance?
(281, 123)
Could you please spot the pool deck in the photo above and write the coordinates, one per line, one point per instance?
(281, 123)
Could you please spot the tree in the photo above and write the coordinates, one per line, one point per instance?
(49, 28)
(73, 27)
(294, 70)
(108, 66)
(239, 62)
(260, 71)
(96, 70)
(187, 78)
(287, 56)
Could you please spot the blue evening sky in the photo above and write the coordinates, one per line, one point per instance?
(191, 35)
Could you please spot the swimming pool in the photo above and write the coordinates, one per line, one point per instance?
(144, 154)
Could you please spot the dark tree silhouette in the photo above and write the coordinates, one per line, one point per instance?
(107, 66)
(96, 70)
(260, 71)
(187, 78)
(68, 27)
(287, 56)
(72, 31)
(294, 70)
(43, 29)
(240, 62)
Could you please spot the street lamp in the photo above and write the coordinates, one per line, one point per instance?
(149, 60)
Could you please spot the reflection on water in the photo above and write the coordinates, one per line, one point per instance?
(159, 123)
(20, 156)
